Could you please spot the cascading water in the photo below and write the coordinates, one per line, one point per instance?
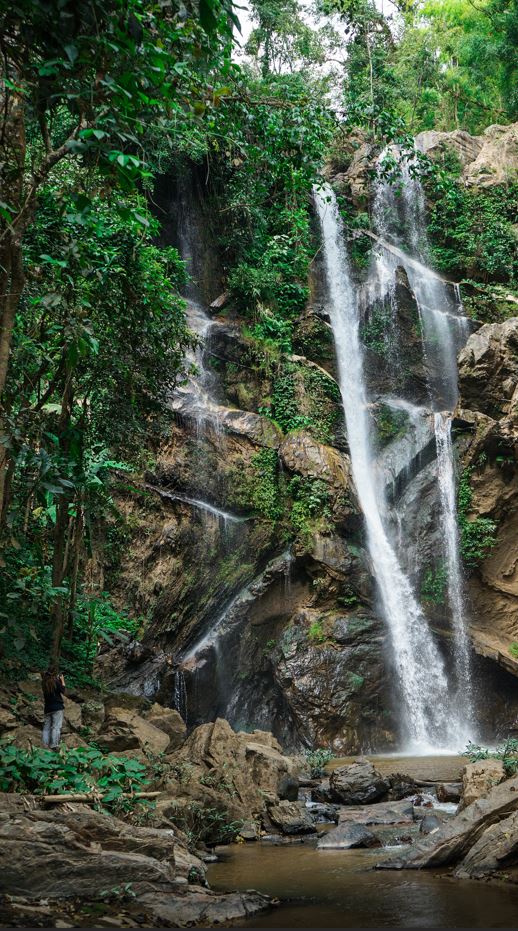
(400, 219)
(447, 491)
(429, 717)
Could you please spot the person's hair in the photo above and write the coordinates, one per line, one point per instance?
(49, 680)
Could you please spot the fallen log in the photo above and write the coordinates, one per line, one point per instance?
(92, 797)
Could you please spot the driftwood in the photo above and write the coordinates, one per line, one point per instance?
(92, 797)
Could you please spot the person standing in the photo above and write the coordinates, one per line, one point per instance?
(53, 686)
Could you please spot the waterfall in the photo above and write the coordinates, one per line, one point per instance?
(400, 219)
(447, 492)
(428, 716)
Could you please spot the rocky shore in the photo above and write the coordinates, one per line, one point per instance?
(71, 863)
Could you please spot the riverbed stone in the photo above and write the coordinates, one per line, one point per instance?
(347, 835)
(451, 842)
(430, 823)
(449, 791)
(357, 784)
(381, 813)
(292, 817)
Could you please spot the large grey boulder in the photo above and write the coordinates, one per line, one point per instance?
(347, 835)
(497, 847)
(401, 812)
(358, 784)
(292, 818)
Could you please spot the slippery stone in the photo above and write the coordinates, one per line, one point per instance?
(357, 784)
(449, 791)
(348, 834)
(401, 812)
(451, 842)
(292, 818)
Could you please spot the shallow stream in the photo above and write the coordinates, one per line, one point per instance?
(341, 888)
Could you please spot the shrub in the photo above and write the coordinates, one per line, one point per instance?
(478, 535)
(83, 770)
(317, 760)
(433, 587)
(507, 752)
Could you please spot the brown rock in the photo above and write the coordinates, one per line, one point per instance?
(449, 791)
(171, 722)
(479, 778)
(124, 729)
(451, 842)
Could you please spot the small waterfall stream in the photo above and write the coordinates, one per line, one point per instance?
(429, 718)
(447, 492)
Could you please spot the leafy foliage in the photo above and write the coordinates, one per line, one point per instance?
(317, 760)
(205, 825)
(477, 535)
(82, 770)
(434, 584)
(507, 752)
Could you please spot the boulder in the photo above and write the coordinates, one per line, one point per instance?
(430, 823)
(358, 784)
(401, 786)
(239, 772)
(381, 813)
(452, 841)
(479, 778)
(292, 818)
(322, 793)
(124, 729)
(170, 722)
(497, 160)
(449, 791)
(322, 813)
(497, 847)
(204, 908)
(249, 831)
(73, 866)
(348, 834)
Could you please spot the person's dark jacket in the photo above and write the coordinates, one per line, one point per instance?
(54, 700)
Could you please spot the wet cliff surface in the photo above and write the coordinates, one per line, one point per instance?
(246, 550)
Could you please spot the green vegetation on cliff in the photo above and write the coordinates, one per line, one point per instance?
(99, 100)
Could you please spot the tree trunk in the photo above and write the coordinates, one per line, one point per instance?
(60, 560)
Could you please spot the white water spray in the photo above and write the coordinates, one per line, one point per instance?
(429, 719)
(447, 492)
